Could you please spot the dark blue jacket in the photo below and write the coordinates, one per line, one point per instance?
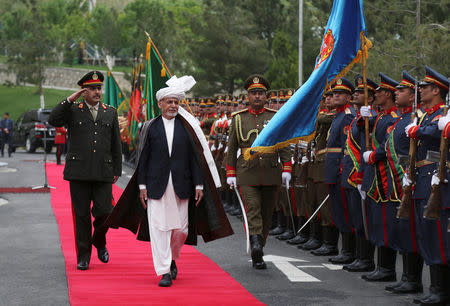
(336, 144)
(155, 163)
(7, 124)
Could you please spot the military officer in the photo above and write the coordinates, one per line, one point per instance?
(430, 233)
(259, 178)
(323, 234)
(342, 93)
(351, 179)
(93, 162)
(375, 180)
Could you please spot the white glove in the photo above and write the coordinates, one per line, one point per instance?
(406, 182)
(435, 179)
(366, 156)
(443, 122)
(361, 192)
(365, 111)
(213, 148)
(231, 180)
(285, 178)
(410, 126)
(305, 160)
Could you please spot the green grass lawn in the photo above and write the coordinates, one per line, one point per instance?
(18, 99)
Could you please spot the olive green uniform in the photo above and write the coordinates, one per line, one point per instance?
(259, 178)
(317, 189)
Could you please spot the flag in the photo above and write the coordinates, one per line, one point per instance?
(156, 75)
(340, 50)
(113, 94)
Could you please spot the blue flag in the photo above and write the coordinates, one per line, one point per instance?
(340, 50)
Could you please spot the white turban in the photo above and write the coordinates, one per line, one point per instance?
(177, 88)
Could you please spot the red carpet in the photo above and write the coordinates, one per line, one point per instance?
(129, 277)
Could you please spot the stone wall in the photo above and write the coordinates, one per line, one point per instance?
(63, 77)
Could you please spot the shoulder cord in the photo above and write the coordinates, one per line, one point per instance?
(239, 130)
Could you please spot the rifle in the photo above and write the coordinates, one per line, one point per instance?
(404, 210)
(432, 210)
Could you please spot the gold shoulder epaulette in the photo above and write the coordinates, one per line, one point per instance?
(238, 112)
(348, 111)
(270, 109)
(394, 115)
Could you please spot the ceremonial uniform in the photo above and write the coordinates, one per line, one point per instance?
(259, 178)
(375, 184)
(333, 165)
(93, 159)
(430, 232)
(400, 232)
(352, 174)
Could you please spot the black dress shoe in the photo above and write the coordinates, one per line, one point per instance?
(288, 234)
(173, 270)
(360, 265)
(381, 275)
(342, 259)
(325, 250)
(391, 287)
(83, 265)
(299, 239)
(352, 264)
(310, 245)
(277, 231)
(103, 255)
(417, 300)
(408, 287)
(166, 280)
(257, 253)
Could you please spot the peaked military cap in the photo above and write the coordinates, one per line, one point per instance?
(387, 83)
(288, 94)
(407, 81)
(359, 84)
(255, 82)
(434, 77)
(91, 78)
(343, 85)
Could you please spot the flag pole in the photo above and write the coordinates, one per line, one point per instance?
(366, 93)
(157, 52)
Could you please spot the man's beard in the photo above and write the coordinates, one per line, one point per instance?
(172, 114)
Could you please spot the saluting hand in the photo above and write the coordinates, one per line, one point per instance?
(76, 95)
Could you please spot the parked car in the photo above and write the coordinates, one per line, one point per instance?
(32, 128)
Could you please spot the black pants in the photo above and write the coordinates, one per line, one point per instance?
(6, 139)
(59, 151)
(82, 194)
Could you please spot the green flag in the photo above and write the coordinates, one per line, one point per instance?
(156, 75)
(113, 94)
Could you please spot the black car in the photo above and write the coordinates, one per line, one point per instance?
(32, 128)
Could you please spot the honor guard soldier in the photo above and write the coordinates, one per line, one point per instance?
(430, 232)
(400, 234)
(323, 234)
(375, 180)
(352, 178)
(342, 93)
(93, 162)
(259, 179)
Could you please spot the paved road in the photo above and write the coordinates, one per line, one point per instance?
(32, 264)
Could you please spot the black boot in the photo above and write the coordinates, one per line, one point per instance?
(315, 239)
(439, 289)
(274, 221)
(366, 253)
(256, 243)
(303, 236)
(289, 232)
(358, 251)
(404, 277)
(385, 271)
(347, 254)
(413, 283)
(330, 240)
(281, 225)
